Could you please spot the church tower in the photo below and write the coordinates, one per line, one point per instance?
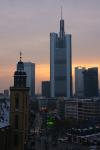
(19, 108)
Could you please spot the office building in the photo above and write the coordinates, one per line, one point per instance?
(60, 105)
(29, 68)
(83, 109)
(60, 63)
(19, 109)
(91, 82)
(46, 88)
(71, 109)
(79, 81)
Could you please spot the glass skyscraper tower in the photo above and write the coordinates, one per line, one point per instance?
(60, 63)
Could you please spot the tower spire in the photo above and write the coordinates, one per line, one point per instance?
(61, 12)
(20, 56)
(62, 25)
(20, 65)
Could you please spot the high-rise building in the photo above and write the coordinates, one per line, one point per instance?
(19, 108)
(29, 68)
(60, 63)
(46, 88)
(79, 81)
(91, 82)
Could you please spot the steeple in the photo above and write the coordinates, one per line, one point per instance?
(20, 56)
(19, 108)
(62, 33)
(20, 74)
(20, 65)
(61, 13)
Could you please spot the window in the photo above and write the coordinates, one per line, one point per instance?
(16, 121)
(15, 140)
(17, 101)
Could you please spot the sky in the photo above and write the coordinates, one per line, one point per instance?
(25, 25)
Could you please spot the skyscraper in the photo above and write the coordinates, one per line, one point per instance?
(79, 81)
(91, 82)
(60, 63)
(19, 108)
(46, 88)
(29, 68)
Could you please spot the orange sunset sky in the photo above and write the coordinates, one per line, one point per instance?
(42, 73)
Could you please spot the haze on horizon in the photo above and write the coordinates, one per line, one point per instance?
(25, 26)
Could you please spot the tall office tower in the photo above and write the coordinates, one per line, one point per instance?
(46, 88)
(29, 68)
(79, 81)
(60, 63)
(19, 96)
(91, 82)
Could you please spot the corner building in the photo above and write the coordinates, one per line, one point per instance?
(60, 63)
(19, 94)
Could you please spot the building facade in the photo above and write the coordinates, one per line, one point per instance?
(60, 105)
(60, 63)
(29, 68)
(83, 109)
(79, 81)
(91, 82)
(71, 109)
(19, 108)
(46, 88)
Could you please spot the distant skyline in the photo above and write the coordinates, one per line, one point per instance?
(25, 25)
